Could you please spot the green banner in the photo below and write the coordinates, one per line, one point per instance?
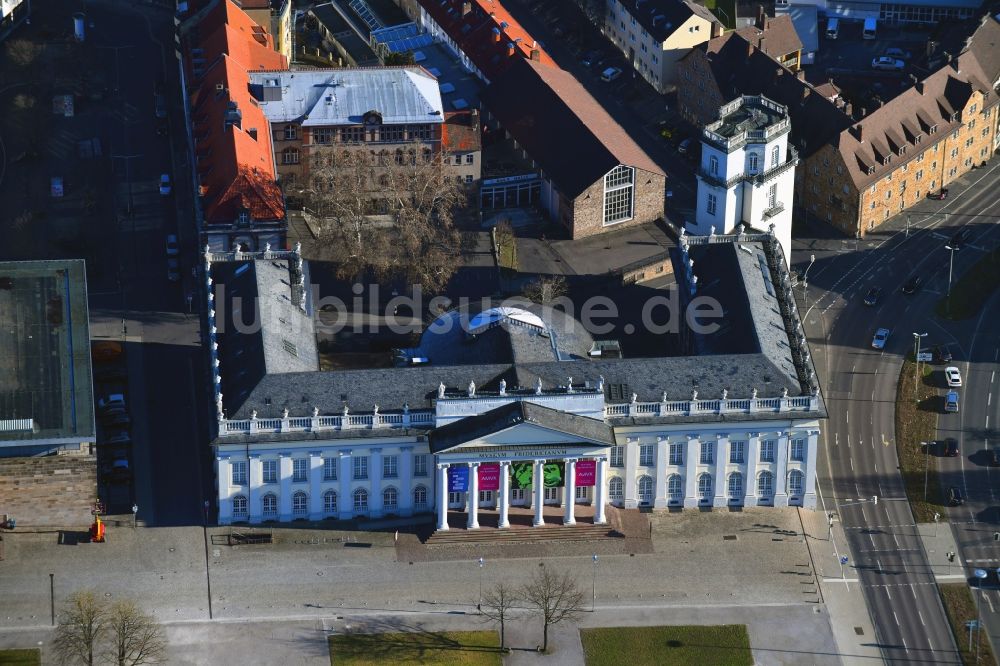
(522, 473)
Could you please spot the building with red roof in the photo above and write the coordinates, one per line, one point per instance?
(241, 202)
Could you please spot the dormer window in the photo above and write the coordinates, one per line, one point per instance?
(932, 130)
(243, 219)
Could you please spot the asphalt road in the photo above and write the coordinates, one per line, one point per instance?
(859, 384)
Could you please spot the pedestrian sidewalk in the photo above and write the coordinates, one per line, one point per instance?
(852, 625)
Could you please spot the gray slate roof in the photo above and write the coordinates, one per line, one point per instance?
(507, 416)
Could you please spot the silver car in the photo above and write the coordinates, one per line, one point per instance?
(881, 335)
(888, 64)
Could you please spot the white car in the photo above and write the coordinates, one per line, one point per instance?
(610, 74)
(953, 376)
(881, 335)
(887, 63)
(165, 184)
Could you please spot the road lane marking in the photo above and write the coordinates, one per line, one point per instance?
(848, 416)
(888, 594)
(895, 616)
(914, 591)
(852, 463)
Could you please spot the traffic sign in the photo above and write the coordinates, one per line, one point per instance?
(972, 624)
(925, 357)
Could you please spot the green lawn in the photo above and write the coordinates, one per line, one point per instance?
(961, 607)
(970, 292)
(27, 657)
(723, 645)
(916, 422)
(462, 648)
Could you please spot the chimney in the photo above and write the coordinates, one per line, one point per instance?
(760, 45)
(466, 7)
(749, 49)
(253, 133)
(716, 29)
(760, 16)
(801, 75)
(536, 55)
(849, 109)
(496, 35)
(510, 48)
(919, 85)
(858, 133)
(805, 92)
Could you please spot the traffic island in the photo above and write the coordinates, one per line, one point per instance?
(723, 645)
(960, 605)
(916, 425)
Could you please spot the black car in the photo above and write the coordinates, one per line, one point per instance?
(871, 298)
(940, 195)
(913, 284)
(959, 237)
(590, 58)
(941, 354)
(955, 496)
(951, 447)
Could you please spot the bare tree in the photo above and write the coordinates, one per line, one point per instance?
(497, 605)
(544, 290)
(553, 596)
(135, 637)
(81, 626)
(23, 52)
(390, 213)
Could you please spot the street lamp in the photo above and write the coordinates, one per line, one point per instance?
(805, 276)
(593, 599)
(917, 337)
(135, 510)
(981, 575)
(479, 606)
(951, 266)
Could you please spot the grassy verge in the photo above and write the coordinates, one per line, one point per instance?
(722, 645)
(27, 657)
(508, 255)
(916, 422)
(973, 289)
(461, 648)
(961, 607)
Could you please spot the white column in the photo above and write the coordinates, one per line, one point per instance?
(473, 522)
(315, 485)
(570, 492)
(691, 472)
(406, 481)
(442, 499)
(375, 476)
(538, 488)
(254, 507)
(285, 483)
(345, 503)
(504, 499)
(809, 470)
(721, 482)
(631, 468)
(224, 477)
(600, 493)
(781, 471)
(660, 483)
(753, 458)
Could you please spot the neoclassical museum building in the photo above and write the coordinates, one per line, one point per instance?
(506, 405)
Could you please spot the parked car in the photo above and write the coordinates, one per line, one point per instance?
(610, 74)
(871, 298)
(118, 438)
(885, 63)
(955, 496)
(939, 195)
(590, 58)
(111, 401)
(116, 417)
(951, 447)
(173, 248)
(160, 104)
(951, 402)
(898, 53)
(685, 145)
(913, 284)
(953, 376)
(881, 335)
(941, 354)
(165, 187)
(173, 269)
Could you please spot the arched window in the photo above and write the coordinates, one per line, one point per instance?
(765, 485)
(735, 486)
(390, 499)
(705, 486)
(360, 500)
(795, 479)
(645, 489)
(330, 502)
(675, 487)
(269, 504)
(240, 506)
(420, 496)
(300, 503)
(775, 155)
(752, 162)
(616, 488)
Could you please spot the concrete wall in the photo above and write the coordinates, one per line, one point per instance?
(53, 491)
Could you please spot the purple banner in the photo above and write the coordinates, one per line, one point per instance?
(586, 473)
(489, 476)
(458, 479)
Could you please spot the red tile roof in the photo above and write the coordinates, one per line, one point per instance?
(460, 131)
(235, 163)
(486, 33)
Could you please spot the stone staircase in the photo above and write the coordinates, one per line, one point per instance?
(524, 534)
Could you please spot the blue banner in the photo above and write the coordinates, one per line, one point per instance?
(458, 479)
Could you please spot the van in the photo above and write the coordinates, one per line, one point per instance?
(951, 402)
(869, 31)
(832, 25)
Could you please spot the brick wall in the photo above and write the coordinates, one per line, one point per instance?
(53, 491)
(698, 96)
(588, 207)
